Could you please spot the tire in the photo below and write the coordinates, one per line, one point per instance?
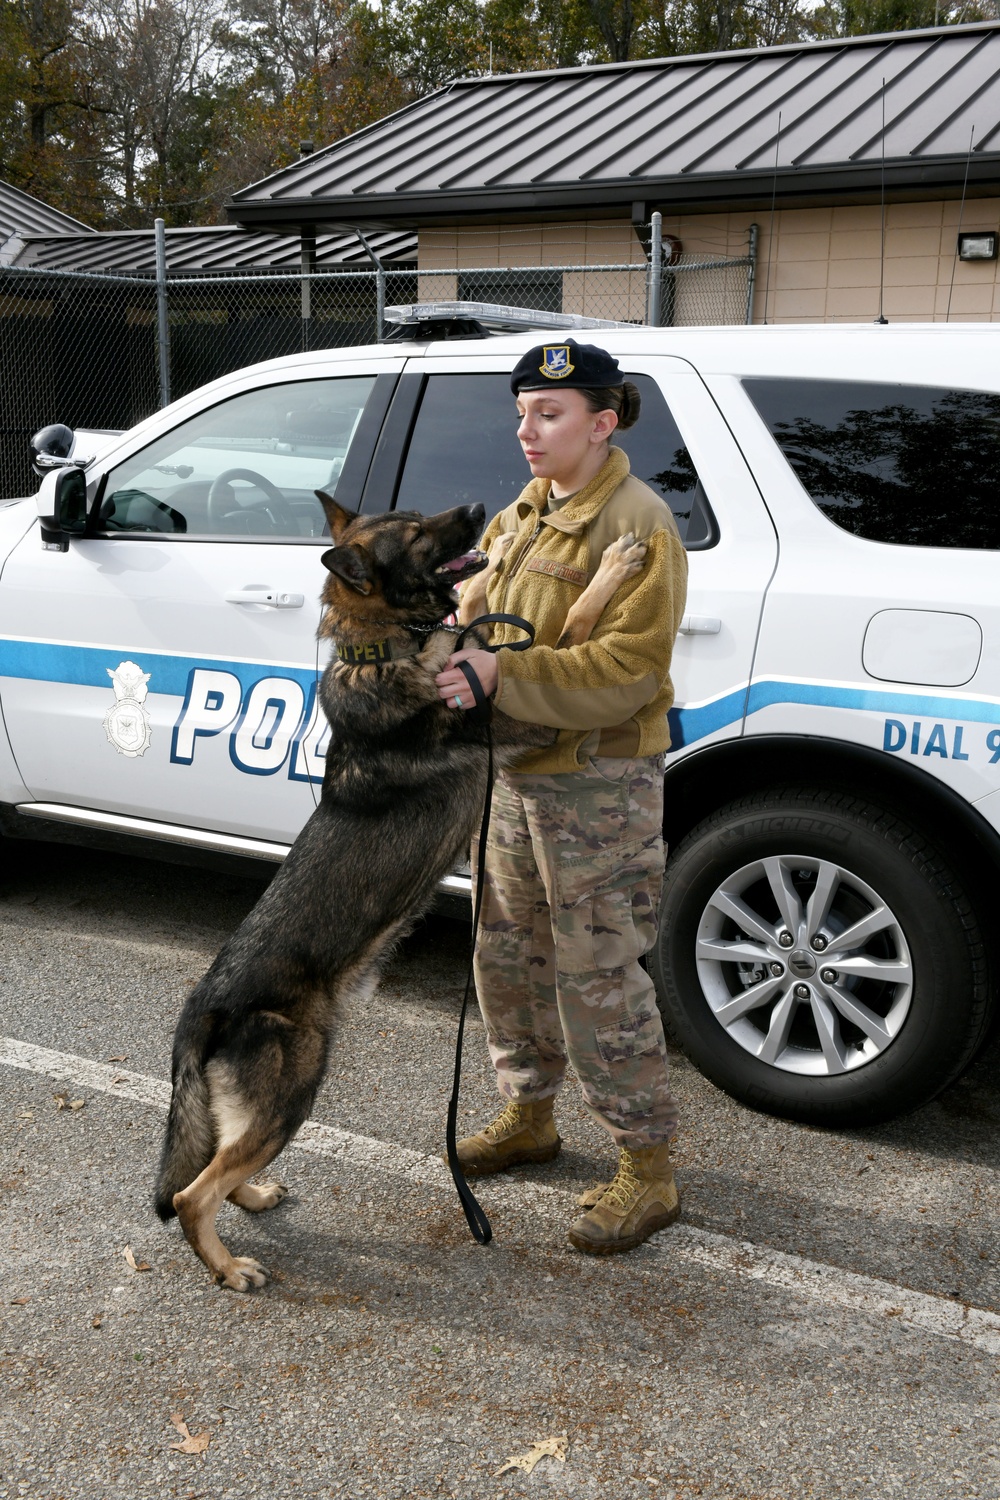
(848, 1032)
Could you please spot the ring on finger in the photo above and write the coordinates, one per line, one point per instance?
(457, 701)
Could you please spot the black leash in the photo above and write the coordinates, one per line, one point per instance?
(475, 1216)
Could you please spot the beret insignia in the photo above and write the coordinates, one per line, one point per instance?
(556, 363)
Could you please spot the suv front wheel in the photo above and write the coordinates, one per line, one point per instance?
(818, 959)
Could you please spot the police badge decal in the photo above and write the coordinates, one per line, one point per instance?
(126, 723)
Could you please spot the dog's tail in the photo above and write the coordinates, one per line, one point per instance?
(189, 1143)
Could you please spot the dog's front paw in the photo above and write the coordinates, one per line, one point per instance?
(243, 1273)
(626, 556)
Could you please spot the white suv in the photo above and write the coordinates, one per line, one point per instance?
(833, 790)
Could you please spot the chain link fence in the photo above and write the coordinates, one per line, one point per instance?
(86, 348)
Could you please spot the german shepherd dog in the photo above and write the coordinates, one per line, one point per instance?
(402, 791)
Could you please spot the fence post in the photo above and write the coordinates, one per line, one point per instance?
(655, 274)
(752, 278)
(162, 311)
(379, 283)
(307, 241)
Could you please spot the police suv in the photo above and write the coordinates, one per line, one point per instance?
(827, 937)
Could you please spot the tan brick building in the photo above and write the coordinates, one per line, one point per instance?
(859, 161)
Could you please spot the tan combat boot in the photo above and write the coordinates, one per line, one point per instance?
(642, 1199)
(523, 1132)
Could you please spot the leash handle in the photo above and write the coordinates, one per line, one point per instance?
(501, 619)
(475, 1215)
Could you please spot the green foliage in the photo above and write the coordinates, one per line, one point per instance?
(118, 111)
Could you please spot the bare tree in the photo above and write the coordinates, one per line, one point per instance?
(148, 59)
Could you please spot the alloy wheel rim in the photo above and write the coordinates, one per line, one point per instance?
(804, 965)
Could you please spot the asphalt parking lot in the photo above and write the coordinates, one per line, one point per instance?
(825, 1321)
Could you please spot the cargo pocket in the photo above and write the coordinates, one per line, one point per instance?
(604, 918)
(629, 1037)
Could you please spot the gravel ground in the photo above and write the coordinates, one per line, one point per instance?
(392, 1357)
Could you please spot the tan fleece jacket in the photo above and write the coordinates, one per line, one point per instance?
(610, 695)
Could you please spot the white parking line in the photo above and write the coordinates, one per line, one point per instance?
(792, 1273)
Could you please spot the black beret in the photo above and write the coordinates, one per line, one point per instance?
(577, 366)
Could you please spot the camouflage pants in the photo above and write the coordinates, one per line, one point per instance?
(574, 864)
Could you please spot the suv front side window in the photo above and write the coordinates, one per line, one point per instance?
(247, 467)
(909, 464)
(464, 449)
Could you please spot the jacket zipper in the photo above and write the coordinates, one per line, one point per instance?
(520, 559)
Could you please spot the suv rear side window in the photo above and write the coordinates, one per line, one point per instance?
(464, 449)
(918, 466)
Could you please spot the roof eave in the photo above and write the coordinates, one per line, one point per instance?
(848, 181)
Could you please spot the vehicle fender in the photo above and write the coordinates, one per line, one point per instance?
(705, 780)
(17, 518)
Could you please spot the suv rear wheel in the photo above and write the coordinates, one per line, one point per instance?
(818, 959)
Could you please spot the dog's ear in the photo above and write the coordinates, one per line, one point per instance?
(337, 517)
(349, 564)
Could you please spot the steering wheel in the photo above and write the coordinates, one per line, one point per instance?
(222, 502)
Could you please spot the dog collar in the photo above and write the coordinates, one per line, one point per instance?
(374, 653)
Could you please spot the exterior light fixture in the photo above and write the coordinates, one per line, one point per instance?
(977, 246)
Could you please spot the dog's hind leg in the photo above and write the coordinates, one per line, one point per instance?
(197, 1206)
(255, 1197)
(621, 560)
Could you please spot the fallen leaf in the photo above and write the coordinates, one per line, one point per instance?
(546, 1448)
(26, 1114)
(118, 1078)
(123, 1058)
(95, 1322)
(191, 1443)
(141, 1265)
(20, 1301)
(63, 1101)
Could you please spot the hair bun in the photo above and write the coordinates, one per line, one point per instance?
(631, 406)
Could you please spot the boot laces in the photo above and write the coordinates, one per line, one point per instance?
(625, 1185)
(508, 1119)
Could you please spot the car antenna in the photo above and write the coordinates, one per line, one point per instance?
(881, 255)
(961, 215)
(770, 229)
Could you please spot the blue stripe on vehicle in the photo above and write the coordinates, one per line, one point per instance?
(690, 724)
(766, 694)
(88, 666)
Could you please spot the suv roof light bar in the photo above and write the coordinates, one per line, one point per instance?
(420, 320)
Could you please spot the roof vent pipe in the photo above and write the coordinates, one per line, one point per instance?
(306, 148)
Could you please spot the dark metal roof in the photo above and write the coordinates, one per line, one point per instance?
(214, 248)
(684, 130)
(21, 215)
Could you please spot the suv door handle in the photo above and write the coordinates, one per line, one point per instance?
(700, 625)
(262, 593)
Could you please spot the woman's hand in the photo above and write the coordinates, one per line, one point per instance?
(453, 685)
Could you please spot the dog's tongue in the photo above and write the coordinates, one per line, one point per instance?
(458, 563)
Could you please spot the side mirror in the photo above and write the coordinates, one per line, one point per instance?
(62, 506)
(51, 447)
(71, 501)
